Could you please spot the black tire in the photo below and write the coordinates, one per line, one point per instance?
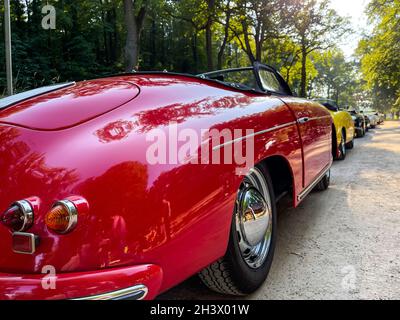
(342, 147)
(231, 274)
(350, 145)
(361, 132)
(324, 183)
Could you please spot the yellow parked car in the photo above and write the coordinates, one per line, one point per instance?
(343, 131)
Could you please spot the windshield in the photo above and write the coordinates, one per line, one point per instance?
(239, 78)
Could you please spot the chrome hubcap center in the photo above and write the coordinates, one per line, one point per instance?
(254, 215)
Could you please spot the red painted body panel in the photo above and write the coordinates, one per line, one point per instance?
(79, 285)
(316, 136)
(70, 106)
(175, 216)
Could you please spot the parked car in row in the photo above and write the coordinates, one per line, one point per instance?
(89, 188)
(374, 119)
(359, 123)
(381, 117)
(367, 121)
(344, 129)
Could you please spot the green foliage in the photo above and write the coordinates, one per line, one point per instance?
(90, 40)
(379, 54)
(337, 79)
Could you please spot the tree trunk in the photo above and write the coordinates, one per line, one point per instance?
(226, 37)
(153, 39)
(105, 37)
(132, 37)
(259, 45)
(259, 42)
(209, 24)
(248, 49)
(210, 65)
(114, 36)
(194, 51)
(303, 87)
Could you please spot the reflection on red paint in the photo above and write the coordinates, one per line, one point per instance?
(177, 216)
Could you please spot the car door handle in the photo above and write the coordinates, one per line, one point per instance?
(303, 120)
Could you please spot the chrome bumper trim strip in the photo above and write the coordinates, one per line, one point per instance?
(138, 292)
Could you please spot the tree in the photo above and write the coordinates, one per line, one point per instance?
(227, 9)
(255, 22)
(100, 37)
(379, 55)
(134, 13)
(315, 27)
(337, 78)
(201, 14)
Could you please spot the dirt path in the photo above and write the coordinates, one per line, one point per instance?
(343, 243)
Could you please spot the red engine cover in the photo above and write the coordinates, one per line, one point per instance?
(70, 106)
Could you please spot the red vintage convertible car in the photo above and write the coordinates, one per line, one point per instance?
(89, 215)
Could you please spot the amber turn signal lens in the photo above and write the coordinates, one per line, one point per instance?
(62, 218)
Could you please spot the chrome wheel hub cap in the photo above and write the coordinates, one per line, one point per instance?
(254, 219)
(254, 216)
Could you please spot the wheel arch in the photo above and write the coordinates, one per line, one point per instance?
(281, 174)
(335, 143)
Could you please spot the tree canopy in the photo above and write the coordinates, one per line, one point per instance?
(95, 38)
(379, 55)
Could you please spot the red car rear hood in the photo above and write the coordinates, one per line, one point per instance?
(71, 106)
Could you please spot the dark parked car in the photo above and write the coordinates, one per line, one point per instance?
(359, 123)
(367, 121)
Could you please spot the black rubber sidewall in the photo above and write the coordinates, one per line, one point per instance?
(246, 279)
(342, 147)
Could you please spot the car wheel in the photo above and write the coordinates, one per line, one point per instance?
(324, 183)
(342, 147)
(252, 241)
(350, 145)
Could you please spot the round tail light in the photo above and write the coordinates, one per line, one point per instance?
(63, 217)
(19, 217)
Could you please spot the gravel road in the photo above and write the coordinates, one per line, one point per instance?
(339, 244)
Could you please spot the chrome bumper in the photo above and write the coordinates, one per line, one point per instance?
(138, 292)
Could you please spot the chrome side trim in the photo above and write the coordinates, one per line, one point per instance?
(138, 292)
(307, 119)
(307, 190)
(254, 135)
(11, 100)
(320, 118)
